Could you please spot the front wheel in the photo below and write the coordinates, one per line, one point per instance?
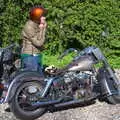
(25, 95)
(115, 98)
(104, 75)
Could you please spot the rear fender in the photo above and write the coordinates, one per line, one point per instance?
(17, 81)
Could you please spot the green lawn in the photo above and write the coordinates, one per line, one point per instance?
(52, 60)
(115, 62)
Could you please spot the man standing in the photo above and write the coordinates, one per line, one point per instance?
(33, 38)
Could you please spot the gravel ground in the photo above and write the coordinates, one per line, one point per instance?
(97, 111)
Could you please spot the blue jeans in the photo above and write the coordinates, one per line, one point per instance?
(32, 63)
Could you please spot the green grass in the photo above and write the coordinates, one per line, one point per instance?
(53, 60)
(114, 62)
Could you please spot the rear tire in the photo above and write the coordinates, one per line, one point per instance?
(17, 108)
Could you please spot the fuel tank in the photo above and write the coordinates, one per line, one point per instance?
(84, 63)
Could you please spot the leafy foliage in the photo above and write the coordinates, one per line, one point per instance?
(71, 23)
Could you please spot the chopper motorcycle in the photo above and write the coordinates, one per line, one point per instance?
(8, 56)
(30, 95)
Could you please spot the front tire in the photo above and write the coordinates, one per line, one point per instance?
(114, 99)
(104, 75)
(18, 107)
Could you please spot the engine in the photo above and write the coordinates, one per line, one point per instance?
(79, 84)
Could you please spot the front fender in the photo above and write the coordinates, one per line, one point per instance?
(17, 81)
(103, 82)
(109, 88)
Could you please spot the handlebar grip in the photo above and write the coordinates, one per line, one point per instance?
(10, 46)
(66, 52)
(61, 56)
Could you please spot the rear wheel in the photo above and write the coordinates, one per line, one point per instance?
(25, 95)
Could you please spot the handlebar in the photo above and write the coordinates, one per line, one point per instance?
(87, 50)
(67, 51)
(9, 47)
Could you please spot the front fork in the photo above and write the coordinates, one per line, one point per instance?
(115, 80)
(108, 81)
(113, 76)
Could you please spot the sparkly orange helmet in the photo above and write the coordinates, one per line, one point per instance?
(36, 13)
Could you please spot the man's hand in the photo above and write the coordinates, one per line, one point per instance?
(43, 23)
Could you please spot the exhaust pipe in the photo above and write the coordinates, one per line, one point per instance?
(43, 104)
(57, 103)
(74, 102)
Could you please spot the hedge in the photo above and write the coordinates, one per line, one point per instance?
(71, 23)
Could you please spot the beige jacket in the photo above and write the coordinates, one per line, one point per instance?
(33, 38)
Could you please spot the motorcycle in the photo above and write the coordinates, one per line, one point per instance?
(30, 95)
(8, 56)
